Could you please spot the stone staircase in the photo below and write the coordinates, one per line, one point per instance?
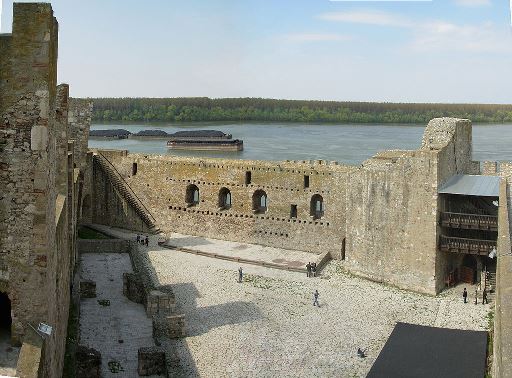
(491, 284)
(126, 191)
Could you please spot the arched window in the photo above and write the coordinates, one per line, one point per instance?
(259, 202)
(192, 195)
(317, 207)
(224, 199)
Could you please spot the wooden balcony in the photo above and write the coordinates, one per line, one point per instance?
(469, 221)
(463, 245)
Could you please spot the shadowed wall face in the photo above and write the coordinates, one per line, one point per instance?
(39, 187)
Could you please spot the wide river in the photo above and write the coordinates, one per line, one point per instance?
(350, 144)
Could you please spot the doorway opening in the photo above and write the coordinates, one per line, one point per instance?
(5, 315)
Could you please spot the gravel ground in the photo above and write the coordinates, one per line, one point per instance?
(268, 327)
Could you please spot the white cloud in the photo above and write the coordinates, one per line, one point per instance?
(473, 3)
(435, 35)
(368, 17)
(445, 36)
(317, 37)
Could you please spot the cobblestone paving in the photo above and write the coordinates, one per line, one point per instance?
(102, 327)
(268, 327)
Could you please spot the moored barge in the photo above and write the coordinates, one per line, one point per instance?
(204, 140)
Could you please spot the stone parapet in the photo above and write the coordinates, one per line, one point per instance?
(103, 246)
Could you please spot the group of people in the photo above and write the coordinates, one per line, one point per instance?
(142, 240)
(311, 269)
(484, 296)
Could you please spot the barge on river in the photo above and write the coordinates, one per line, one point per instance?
(204, 140)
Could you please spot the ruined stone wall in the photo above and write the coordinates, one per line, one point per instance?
(161, 183)
(502, 348)
(79, 117)
(393, 204)
(37, 181)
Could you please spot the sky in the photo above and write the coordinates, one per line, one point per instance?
(455, 51)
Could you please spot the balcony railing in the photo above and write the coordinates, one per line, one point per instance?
(469, 221)
(463, 245)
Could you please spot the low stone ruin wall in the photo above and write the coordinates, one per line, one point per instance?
(103, 246)
(87, 289)
(133, 288)
(152, 361)
(172, 326)
(143, 286)
(88, 363)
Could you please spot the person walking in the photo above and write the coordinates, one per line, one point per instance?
(240, 275)
(308, 269)
(476, 295)
(313, 268)
(484, 297)
(315, 298)
(138, 239)
(147, 240)
(465, 295)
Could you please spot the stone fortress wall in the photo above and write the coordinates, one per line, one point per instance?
(162, 182)
(40, 155)
(381, 217)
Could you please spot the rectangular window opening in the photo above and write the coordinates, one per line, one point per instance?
(293, 211)
(248, 178)
(306, 181)
(134, 169)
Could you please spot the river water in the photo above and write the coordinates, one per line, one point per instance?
(349, 144)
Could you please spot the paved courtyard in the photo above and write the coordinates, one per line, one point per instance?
(8, 355)
(116, 330)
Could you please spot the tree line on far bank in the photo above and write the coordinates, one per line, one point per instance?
(270, 110)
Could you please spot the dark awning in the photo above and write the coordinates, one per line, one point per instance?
(426, 352)
(472, 185)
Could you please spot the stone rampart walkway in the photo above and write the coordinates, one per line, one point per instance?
(261, 255)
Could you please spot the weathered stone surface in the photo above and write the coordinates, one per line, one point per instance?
(133, 289)
(172, 326)
(39, 188)
(151, 361)
(88, 363)
(102, 246)
(160, 303)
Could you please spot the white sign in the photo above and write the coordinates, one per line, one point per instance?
(45, 328)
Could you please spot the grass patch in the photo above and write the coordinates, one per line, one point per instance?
(115, 366)
(88, 233)
(104, 302)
